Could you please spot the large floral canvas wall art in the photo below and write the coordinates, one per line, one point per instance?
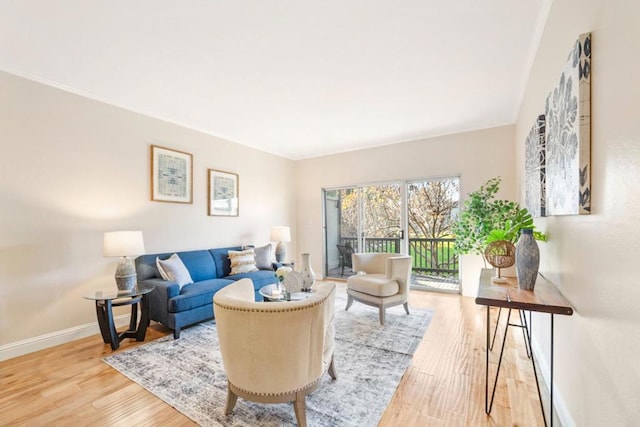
(568, 135)
(534, 168)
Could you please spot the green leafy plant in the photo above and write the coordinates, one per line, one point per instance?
(484, 219)
(512, 226)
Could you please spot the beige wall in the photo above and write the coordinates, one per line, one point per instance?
(72, 168)
(474, 156)
(592, 259)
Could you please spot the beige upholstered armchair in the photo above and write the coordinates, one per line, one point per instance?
(274, 352)
(385, 281)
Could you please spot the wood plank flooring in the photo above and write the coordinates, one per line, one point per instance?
(444, 386)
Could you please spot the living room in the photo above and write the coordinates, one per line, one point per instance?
(75, 167)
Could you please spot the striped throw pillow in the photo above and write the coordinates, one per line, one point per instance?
(242, 261)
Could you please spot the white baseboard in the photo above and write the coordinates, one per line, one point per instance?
(560, 407)
(30, 345)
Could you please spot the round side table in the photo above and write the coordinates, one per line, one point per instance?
(106, 300)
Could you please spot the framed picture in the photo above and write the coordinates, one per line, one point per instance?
(534, 168)
(223, 193)
(171, 175)
(568, 135)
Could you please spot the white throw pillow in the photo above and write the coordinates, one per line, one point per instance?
(242, 261)
(174, 270)
(263, 257)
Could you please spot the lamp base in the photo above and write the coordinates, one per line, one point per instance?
(280, 252)
(126, 277)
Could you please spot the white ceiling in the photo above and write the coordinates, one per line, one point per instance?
(291, 77)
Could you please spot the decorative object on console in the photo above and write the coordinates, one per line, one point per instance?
(308, 276)
(124, 244)
(568, 135)
(223, 193)
(534, 168)
(527, 260)
(280, 234)
(481, 213)
(171, 175)
(500, 254)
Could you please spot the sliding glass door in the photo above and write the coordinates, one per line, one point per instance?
(373, 218)
(361, 219)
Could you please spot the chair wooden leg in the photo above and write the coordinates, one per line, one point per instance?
(300, 408)
(382, 312)
(332, 369)
(406, 307)
(349, 302)
(232, 398)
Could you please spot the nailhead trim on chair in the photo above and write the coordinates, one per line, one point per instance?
(308, 386)
(259, 310)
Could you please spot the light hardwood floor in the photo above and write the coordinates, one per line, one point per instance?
(443, 386)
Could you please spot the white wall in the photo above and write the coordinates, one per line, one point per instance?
(592, 259)
(474, 156)
(72, 168)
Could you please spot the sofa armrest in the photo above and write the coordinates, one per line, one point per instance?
(159, 299)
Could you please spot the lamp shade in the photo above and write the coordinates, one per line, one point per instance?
(280, 233)
(122, 243)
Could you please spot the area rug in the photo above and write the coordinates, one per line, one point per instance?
(370, 360)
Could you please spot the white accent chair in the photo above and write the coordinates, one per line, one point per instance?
(382, 281)
(274, 352)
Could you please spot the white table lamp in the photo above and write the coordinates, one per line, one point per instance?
(124, 244)
(280, 234)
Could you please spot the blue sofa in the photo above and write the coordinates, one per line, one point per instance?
(209, 270)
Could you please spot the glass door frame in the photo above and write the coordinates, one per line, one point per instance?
(360, 237)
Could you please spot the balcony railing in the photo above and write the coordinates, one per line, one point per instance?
(430, 256)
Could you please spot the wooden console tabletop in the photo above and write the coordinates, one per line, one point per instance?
(545, 298)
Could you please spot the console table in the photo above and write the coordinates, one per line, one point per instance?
(545, 298)
(106, 300)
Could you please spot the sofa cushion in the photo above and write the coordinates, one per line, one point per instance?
(221, 259)
(242, 261)
(196, 295)
(200, 265)
(260, 278)
(374, 284)
(174, 270)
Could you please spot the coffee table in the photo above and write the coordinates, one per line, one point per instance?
(268, 295)
(106, 300)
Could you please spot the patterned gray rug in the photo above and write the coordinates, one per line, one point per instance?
(370, 360)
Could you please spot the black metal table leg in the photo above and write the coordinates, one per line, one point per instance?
(495, 383)
(535, 375)
(486, 379)
(495, 331)
(525, 333)
(551, 380)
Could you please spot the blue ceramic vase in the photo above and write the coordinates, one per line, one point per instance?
(527, 260)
